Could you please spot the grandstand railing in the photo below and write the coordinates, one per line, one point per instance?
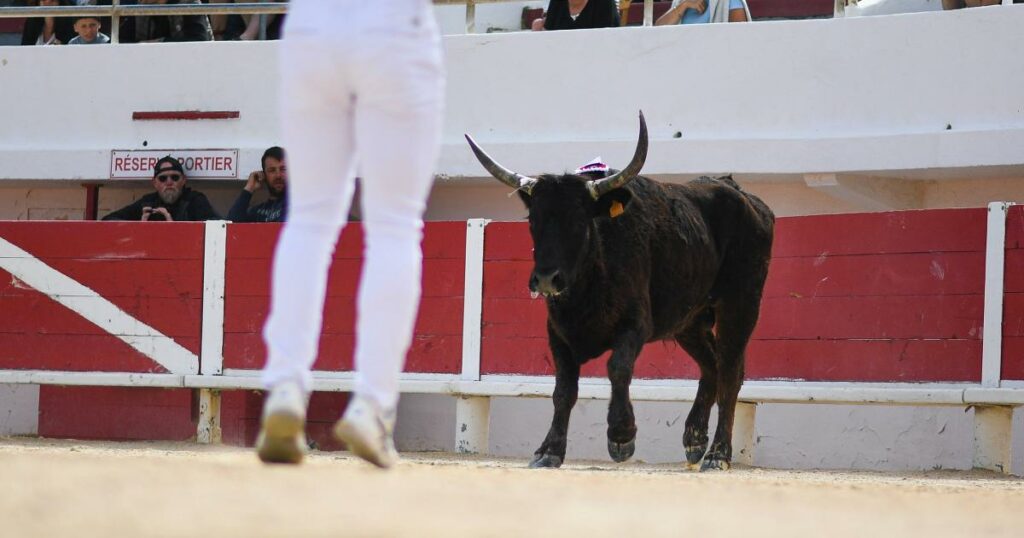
(903, 308)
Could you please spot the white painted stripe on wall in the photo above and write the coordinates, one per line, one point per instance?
(992, 333)
(472, 309)
(97, 310)
(214, 260)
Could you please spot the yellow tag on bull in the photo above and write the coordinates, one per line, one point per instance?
(616, 209)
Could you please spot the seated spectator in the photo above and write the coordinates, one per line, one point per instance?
(275, 176)
(88, 30)
(705, 11)
(171, 201)
(578, 14)
(960, 4)
(166, 28)
(48, 30)
(244, 27)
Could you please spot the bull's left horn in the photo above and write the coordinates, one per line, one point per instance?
(502, 174)
(603, 186)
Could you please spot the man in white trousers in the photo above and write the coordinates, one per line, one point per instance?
(361, 82)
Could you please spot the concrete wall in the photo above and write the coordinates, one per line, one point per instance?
(884, 103)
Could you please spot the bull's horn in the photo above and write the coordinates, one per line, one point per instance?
(603, 186)
(502, 174)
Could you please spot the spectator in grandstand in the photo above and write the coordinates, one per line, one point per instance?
(104, 21)
(244, 27)
(705, 11)
(88, 30)
(275, 176)
(960, 4)
(47, 30)
(167, 28)
(578, 14)
(171, 201)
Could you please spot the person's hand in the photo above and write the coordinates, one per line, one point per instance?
(255, 180)
(163, 211)
(146, 212)
(697, 5)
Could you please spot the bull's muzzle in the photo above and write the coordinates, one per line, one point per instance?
(548, 283)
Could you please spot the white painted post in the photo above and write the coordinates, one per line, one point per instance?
(214, 258)
(208, 431)
(993, 427)
(472, 414)
(470, 16)
(743, 433)
(648, 12)
(211, 354)
(992, 332)
(472, 424)
(472, 299)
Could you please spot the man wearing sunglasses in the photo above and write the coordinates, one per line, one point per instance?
(171, 201)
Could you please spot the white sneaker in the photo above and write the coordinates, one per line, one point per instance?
(282, 436)
(367, 430)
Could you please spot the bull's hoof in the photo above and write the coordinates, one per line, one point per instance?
(621, 452)
(695, 453)
(715, 464)
(546, 461)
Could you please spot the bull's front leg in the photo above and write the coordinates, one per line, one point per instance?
(567, 377)
(621, 422)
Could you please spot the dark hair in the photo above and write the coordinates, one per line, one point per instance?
(274, 151)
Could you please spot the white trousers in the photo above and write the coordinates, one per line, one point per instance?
(359, 89)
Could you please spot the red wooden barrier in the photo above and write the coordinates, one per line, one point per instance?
(862, 297)
(1013, 298)
(437, 344)
(152, 273)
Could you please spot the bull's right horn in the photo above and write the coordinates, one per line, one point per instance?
(601, 187)
(502, 174)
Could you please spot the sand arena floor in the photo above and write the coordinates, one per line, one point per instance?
(82, 489)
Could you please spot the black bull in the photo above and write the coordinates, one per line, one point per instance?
(624, 260)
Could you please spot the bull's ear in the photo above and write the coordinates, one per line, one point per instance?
(613, 204)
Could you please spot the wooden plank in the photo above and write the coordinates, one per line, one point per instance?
(437, 315)
(1013, 358)
(125, 278)
(934, 230)
(442, 277)
(33, 312)
(77, 352)
(938, 273)
(786, 9)
(107, 240)
(427, 353)
(115, 413)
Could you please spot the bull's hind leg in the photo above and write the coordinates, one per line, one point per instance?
(621, 421)
(567, 376)
(736, 320)
(699, 342)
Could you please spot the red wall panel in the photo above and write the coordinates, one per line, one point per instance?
(437, 342)
(153, 272)
(859, 297)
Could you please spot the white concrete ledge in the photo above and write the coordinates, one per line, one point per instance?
(99, 379)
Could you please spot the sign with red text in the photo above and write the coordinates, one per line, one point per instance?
(198, 163)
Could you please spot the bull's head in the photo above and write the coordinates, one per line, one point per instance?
(563, 210)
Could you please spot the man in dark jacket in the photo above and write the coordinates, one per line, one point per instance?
(171, 201)
(149, 29)
(275, 177)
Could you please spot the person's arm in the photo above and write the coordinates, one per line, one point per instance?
(239, 211)
(674, 15)
(737, 15)
(132, 211)
(194, 27)
(551, 15)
